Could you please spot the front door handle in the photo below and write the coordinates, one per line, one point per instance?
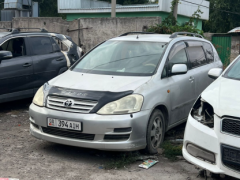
(60, 59)
(27, 64)
(191, 79)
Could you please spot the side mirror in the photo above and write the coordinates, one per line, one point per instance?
(5, 55)
(179, 69)
(215, 73)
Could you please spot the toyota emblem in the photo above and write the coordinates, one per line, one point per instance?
(68, 103)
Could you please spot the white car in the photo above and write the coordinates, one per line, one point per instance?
(212, 135)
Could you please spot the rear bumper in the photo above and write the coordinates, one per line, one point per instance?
(211, 140)
(98, 125)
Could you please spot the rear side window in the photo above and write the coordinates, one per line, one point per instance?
(196, 56)
(209, 52)
(41, 45)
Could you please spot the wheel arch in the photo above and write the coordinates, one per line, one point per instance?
(165, 112)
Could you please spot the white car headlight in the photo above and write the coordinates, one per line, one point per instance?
(129, 104)
(39, 97)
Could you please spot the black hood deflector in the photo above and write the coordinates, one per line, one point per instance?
(103, 97)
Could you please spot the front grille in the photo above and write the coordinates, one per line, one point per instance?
(78, 105)
(231, 126)
(231, 157)
(233, 166)
(68, 133)
(119, 137)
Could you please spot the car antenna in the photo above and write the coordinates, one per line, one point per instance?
(137, 36)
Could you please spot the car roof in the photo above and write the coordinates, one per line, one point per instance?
(2, 34)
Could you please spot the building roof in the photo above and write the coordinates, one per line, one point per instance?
(185, 8)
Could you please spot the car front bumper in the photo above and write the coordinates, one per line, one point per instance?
(212, 141)
(99, 125)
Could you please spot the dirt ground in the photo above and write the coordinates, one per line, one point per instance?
(26, 158)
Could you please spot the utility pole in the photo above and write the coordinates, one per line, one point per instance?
(175, 12)
(113, 13)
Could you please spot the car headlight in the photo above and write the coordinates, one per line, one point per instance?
(203, 112)
(40, 95)
(129, 104)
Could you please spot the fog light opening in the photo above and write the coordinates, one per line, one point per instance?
(201, 153)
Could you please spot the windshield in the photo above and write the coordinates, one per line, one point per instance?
(234, 71)
(122, 58)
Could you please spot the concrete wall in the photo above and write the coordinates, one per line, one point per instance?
(102, 29)
(208, 36)
(235, 47)
(5, 24)
(86, 31)
(51, 24)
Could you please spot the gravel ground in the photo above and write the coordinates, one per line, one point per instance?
(26, 158)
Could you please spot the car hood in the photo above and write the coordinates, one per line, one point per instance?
(96, 82)
(223, 95)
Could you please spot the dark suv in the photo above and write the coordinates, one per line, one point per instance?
(29, 59)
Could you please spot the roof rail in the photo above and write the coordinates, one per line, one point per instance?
(125, 34)
(174, 35)
(41, 29)
(17, 30)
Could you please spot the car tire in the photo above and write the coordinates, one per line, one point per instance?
(155, 132)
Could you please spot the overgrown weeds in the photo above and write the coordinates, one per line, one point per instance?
(171, 151)
(122, 160)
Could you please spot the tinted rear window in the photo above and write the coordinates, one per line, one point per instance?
(209, 52)
(196, 56)
(41, 45)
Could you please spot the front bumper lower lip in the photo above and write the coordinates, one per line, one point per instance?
(93, 124)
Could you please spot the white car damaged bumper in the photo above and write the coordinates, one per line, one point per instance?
(210, 148)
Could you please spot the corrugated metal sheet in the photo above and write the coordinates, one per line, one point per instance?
(13, 4)
(223, 47)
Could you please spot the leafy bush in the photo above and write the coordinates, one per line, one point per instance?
(170, 24)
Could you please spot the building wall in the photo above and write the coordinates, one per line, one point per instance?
(185, 8)
(163, 15)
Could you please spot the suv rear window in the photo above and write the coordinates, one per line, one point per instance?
(196, 56)
(123, 58)
(41, 45)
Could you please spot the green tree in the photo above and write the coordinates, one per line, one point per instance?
(170, 24)
(224, 16)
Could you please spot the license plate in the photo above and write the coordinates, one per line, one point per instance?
(63, 124)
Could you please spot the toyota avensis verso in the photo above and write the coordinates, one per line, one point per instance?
(125, 93)
(212, 133)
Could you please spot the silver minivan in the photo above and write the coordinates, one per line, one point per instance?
(125, 93)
